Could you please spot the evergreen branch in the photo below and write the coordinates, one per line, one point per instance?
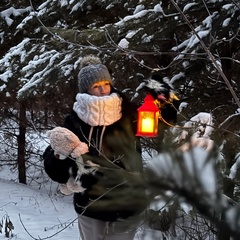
(210, 55)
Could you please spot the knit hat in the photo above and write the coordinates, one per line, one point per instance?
(92, 71)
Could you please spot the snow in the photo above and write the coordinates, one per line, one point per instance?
(75, 7)
(132, 33)
(147, 38)
(131, 17)
(138, 8)
(139, 12)
(41, 213)
(25, 20)
(123, 43)
(202, 123)
(234, 168)
(194, 40)
(18, 50)
(227, 6)
(36, 213)
(208, 21)
(43, 8)
(63, 3)
(188, 6)
(158, 8)
(6, 14)
(3, 86)
(200, 32)
(4, 77)
(176, 77)
(1, 37)
(226, 22)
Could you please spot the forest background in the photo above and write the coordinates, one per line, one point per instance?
(193, 45)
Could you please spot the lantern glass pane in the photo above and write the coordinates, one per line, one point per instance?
(147, 124)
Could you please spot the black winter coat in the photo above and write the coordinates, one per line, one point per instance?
(119, 141)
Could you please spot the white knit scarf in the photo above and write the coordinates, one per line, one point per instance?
(98, 111)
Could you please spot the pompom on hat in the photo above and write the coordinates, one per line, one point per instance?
(92, 71)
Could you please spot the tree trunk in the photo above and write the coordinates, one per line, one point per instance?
(21, 143)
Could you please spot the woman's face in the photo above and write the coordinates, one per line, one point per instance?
(101, 88)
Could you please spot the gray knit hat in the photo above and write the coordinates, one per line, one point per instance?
(92, 71)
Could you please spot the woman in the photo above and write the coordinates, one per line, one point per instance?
(105, 120)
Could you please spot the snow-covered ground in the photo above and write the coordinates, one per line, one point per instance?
(35, 214)
(40, 213)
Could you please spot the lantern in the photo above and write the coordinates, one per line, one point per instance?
(148, 115)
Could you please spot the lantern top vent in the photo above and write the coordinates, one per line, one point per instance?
(148, 104)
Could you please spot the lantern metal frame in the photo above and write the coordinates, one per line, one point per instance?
(148, 117)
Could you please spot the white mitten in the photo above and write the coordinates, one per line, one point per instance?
(64, 190)
(74, 185)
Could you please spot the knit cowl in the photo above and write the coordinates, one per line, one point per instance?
(98, 110)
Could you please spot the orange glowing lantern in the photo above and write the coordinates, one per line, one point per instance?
(148, 115)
